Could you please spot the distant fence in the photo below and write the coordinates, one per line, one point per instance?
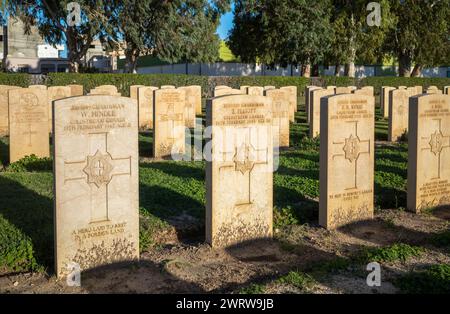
(245, 69)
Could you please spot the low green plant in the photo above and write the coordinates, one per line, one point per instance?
(298, 279)
(396, 252)
(433, 280)
(16, 249)
(253, 289)
(31, 163)
(284, 216)
(149, 225)
(441, 239)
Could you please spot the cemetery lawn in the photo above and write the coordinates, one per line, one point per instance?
(413, 250)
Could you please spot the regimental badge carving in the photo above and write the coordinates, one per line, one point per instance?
(98, 169)
(401, 110)
(28, 101)
(436, 142)
(352, 148)
(244, 158)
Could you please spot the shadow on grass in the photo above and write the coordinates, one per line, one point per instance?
(312, 174)
(176, 169)
(146, 144)
(392, 169)
(303, 209)
(4, 152)
(164, 202)
(392, 155)
(387, 197)
(31, 214)
(381, 134)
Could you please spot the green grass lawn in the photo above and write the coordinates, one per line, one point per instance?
(169, 189)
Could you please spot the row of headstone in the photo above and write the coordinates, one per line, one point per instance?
(284, 106)
(239, 182)
(291, 92)
(26, 116)
(395, 106)
(313, 96)
(144, 96)
(385, 96)
(96, 165)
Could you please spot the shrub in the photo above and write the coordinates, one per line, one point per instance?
(16, 249)
(15, 79)
(124, 80)
(31, 163)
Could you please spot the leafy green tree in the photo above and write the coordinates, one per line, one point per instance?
(421, 34)
(170, 30)
(276, 32)
(353, 38)
(51, 19)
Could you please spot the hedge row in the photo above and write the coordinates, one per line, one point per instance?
(123, 81)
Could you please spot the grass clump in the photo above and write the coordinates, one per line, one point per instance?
(433, 280)
(16, 249)
(149, 225)
(253, 289)
(284, 217)
(299, 280)
(31, 163)
(441, 239)
(396, 252)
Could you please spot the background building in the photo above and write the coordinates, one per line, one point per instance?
(29, 53)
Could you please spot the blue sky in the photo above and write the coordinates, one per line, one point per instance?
(226, 22)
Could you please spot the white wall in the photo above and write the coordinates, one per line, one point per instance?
(243, 69)
(218, 69)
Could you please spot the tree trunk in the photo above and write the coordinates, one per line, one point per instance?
(337, 70)
(404, 65)
(350, 66)
(74, 61)
(132, 56)
(350, 69)
(73, 66)
(306, 70)
(76, 50)
(417, 71)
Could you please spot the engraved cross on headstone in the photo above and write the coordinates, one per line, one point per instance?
(436, 143)
(353, 148)
(242, 159)
(29, 133)
(97, 170)
(170, 117)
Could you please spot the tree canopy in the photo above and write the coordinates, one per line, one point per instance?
(281, 32)
(415, 33)
(337, 32)
(171, 30)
